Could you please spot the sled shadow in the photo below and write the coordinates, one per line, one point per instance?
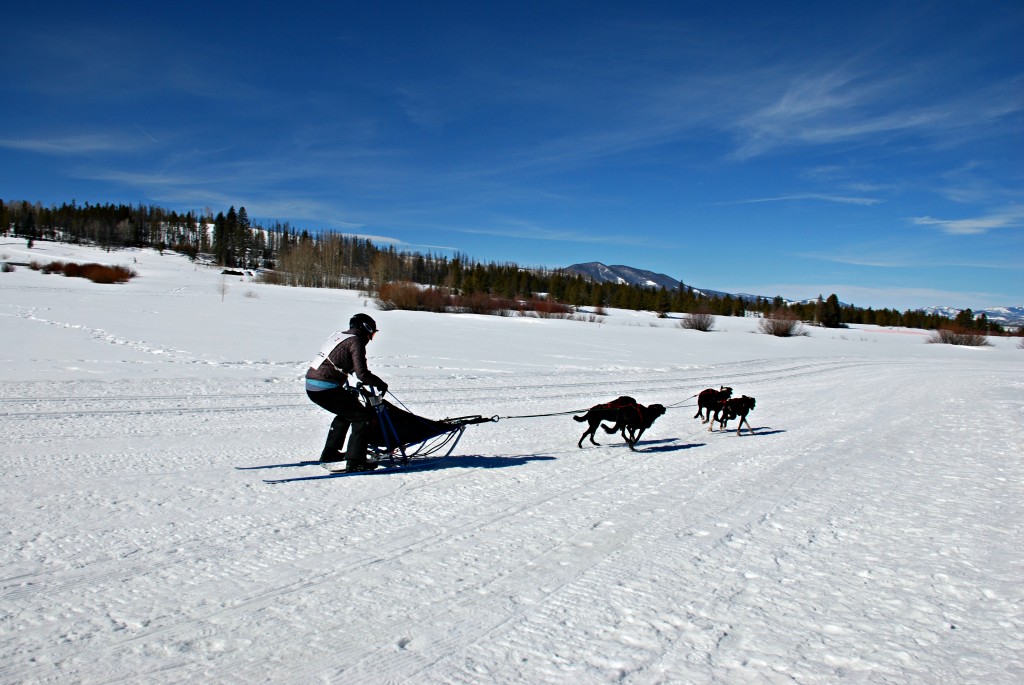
(467, 462)
(277, 466)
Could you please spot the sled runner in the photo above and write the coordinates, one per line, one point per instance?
(397, 437)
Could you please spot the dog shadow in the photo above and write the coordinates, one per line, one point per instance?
(667, 445)
(479, 461)
(766, 430)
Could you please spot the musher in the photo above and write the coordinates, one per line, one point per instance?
(327, 385)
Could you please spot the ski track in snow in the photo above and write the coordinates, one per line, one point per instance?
(868, 531)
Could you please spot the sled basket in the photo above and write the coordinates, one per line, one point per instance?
(399, 437)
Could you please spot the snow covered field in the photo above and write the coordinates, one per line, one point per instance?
(870, 531)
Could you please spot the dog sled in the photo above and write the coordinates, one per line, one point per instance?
(399, 438)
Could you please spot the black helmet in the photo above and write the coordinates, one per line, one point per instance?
(362, 322)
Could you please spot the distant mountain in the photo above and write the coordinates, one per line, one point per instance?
(619, 273)
(1004, 316)
(627, 275)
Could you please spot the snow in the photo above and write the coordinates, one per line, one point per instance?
(869, 530)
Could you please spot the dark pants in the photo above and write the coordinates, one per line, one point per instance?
(348, 412)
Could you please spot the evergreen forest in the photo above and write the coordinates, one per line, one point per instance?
(280, 254)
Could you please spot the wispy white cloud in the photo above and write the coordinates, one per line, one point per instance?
(1010, 217)
(72, 145)
(841, 199)
(512, 228)
(861, 103)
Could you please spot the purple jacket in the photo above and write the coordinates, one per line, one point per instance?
(343, 354)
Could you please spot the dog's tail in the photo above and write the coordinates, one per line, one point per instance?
(613, 429)
(579, 418)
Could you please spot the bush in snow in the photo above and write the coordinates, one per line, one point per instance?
(97, 273)
(958, 336)
(411, 297)
(548, 308)
(698, 321)
(781, 323)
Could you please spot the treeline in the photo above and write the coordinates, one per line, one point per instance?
(328, 260)
(229, 238)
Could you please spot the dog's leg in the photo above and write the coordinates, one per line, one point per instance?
(744, 421)
(589, 432)
(624, 431)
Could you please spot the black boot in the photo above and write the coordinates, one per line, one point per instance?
(355, 453)
(335, 441)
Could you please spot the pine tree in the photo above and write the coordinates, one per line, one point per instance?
(831, 312)
(245, 242)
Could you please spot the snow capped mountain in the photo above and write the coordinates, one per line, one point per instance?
(1005, 316)
(618, 273)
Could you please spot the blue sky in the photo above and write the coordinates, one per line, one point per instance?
(872, 150)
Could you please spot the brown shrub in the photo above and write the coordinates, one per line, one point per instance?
(97, 273)
(475, 303)
(698, 321)
(548, 309)
(411, 297)
(781, 323)
(958, 336)
(101, 273)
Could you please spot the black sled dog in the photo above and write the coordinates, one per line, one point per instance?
(627, 416)
(737, 408)
(710, 401)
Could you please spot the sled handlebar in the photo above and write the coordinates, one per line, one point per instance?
(374, 398)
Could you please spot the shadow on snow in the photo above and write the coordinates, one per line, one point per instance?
(466, 462)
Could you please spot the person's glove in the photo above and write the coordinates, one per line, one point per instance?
(383, 387)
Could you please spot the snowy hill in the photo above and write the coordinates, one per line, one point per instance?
(855, 536)
(618, 273)
(1006, 316)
